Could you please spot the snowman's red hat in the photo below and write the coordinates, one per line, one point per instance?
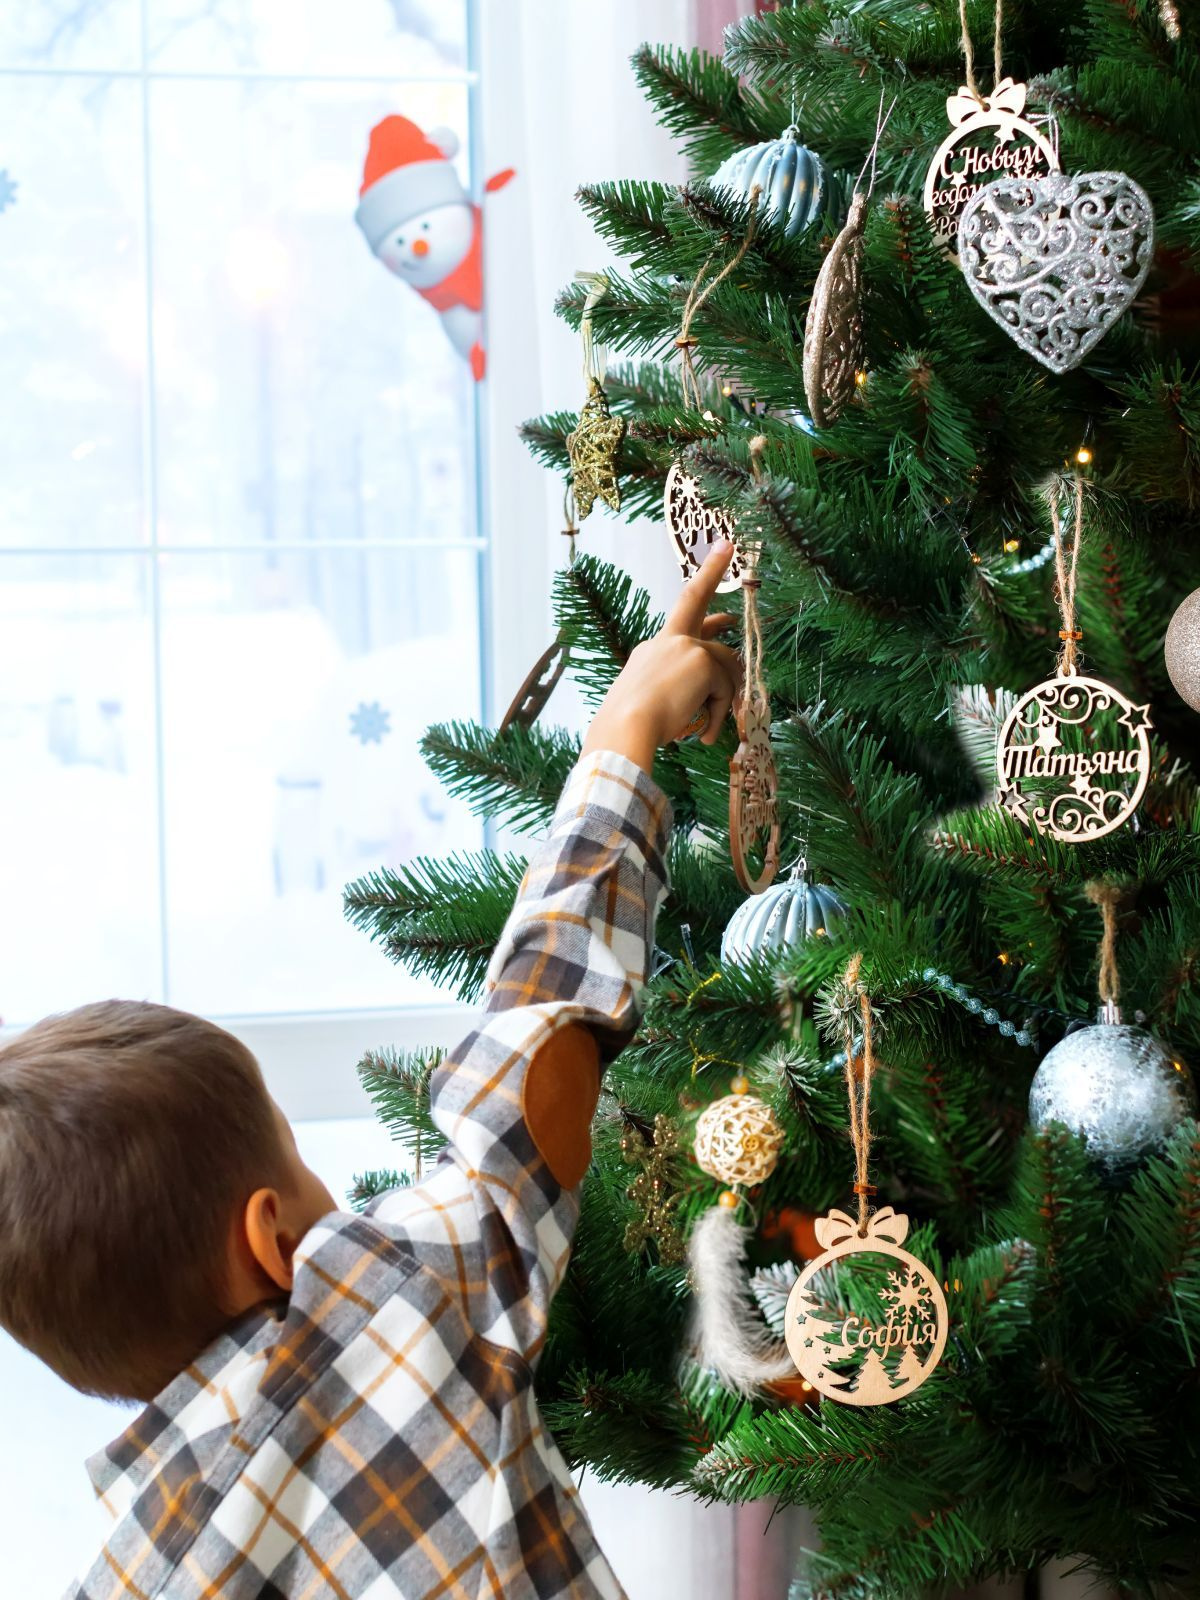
(406, 173)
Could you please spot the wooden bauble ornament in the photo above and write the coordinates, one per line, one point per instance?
(540, 682)
(990, 139)
(754, 797)
(1073, 758)
(1056, 260)
(856, 1357)
(738, 1140)
(833, 335)
(695, 527)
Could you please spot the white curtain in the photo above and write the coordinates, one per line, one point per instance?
(561, 105)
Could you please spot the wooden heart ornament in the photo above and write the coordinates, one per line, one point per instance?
(1055, 260)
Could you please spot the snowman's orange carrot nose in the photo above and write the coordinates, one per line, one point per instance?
(420, 247)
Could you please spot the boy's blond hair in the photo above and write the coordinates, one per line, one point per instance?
(130, 1135)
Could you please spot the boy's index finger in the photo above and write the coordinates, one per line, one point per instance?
(687, 613)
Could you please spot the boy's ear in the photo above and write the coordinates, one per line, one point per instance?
(270, 1244)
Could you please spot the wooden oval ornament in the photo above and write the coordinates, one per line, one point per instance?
(540, 681)
(833, 336)
(754, 797)
(695, 527)
(856, 1357)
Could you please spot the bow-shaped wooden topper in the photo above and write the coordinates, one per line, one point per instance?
(836, 1227)
(1003, 106)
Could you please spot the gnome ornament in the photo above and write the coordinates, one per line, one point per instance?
(424, 226)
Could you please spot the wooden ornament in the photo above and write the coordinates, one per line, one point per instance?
(695, 527)
(853, 1355)
(833, 334)
(989, 139)
(754, 796)
(530, 699)
(1073, 758)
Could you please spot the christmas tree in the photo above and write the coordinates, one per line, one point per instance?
(908, 598)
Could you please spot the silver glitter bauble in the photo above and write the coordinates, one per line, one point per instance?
(1118, 1088)
(771, 923)
(1182, 650)
(1055, 260)
(795, 183)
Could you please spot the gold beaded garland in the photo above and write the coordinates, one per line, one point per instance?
(738, 1139)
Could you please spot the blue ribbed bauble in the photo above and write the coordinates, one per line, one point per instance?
(796, 184)
(771, 923)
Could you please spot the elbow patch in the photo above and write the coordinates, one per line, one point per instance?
(562, 1086)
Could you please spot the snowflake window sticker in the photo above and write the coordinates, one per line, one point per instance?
(369, 722)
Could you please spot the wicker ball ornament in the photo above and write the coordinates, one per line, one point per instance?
(738, 1139)
(795, 183)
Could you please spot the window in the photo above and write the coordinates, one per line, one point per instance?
(240, 544)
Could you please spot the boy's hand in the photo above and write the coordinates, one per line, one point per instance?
(669, 678)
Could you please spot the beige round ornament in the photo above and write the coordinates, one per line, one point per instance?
(887, 1346)
(833, 343)
(1182, 650)
(989, 139)
(1073, 758)
(738, 1140)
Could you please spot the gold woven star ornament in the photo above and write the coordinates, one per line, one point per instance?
(592, 450)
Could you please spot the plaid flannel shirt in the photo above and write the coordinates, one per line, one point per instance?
(378, 1435)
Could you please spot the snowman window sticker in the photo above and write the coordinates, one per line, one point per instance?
(422, 224)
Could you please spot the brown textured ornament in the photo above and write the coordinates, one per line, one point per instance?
(592, 448)
(530, 699)
(833, 344)
(754, 796)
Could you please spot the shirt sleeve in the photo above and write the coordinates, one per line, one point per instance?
(563, 991)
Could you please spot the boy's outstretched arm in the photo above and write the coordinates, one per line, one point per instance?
(516, 1098)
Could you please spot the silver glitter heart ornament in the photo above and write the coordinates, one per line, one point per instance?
(1056, 260)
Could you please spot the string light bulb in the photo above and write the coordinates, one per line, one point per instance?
(1011, 545)
(860, 377)
(1083, 455)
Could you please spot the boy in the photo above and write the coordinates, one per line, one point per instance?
(344, 1404)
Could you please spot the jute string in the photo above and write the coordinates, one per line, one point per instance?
(698, 294)
(1107, 897)
(968, 48)
(858, 1084)
(754, 688)
(1066, 572)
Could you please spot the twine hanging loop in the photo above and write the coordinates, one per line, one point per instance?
(1066, 569)
(698, 294)
(859, 1072)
